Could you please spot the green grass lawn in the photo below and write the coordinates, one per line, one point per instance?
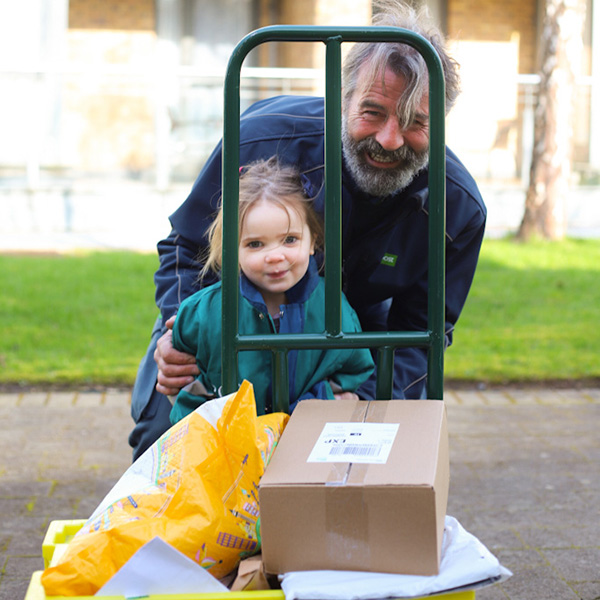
(75, 319)
(532, 315)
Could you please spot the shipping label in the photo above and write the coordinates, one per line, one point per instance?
(369, 443)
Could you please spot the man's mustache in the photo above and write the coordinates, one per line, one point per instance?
(372, 146)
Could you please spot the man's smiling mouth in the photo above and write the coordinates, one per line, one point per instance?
(386, 158)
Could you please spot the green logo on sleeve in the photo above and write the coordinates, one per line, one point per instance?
(389, 259)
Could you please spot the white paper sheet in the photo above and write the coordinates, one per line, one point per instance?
(158, 568)
(466, 562)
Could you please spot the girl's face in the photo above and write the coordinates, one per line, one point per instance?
(275, 249)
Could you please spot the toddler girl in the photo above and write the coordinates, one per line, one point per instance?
(280, 291)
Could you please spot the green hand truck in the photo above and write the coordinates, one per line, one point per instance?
(333, 336)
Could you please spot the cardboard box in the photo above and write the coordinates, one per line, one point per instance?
(350, 514)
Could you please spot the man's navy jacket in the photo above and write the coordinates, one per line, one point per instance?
(384, 245)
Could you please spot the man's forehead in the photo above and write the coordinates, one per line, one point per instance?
(375, 85)
(379, 81)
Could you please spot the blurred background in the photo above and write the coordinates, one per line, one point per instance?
(110, 107)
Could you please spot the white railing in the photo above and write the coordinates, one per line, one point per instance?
(40, 130)
(41, 126)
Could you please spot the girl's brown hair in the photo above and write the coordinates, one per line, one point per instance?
(274, 182)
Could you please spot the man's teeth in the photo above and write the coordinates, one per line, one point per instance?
(382, 158)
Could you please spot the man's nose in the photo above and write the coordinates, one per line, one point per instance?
(391, 135)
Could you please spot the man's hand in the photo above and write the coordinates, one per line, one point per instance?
(175, 369)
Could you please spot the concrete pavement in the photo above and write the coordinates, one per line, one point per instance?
(525, 479)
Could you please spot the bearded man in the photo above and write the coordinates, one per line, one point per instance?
(385, 141)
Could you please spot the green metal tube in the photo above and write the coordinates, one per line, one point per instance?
(281, 386)
(333, 186)
(385, 373)
(230, 189)
(437, 232)
(375, 339)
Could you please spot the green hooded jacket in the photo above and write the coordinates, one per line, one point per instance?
(312, 373)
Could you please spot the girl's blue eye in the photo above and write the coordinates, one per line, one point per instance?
(291, 239)
(254, 244)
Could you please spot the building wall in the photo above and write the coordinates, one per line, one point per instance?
(307, 12)
(509, 21)
(112, 120)
(128, 15)
(108, 107)
(497, 127)
(494, 42)
(95, 85)
(320, 12)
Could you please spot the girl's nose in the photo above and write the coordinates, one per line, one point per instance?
(274, 256)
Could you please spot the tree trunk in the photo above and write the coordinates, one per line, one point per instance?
(549, 178)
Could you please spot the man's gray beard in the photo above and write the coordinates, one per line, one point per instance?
(376, 181)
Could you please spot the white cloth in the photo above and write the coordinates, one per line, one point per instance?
(465, 563)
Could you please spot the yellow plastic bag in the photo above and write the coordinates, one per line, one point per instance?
(196, 488)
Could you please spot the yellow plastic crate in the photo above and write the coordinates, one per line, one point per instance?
(57, 538)
(59, 534)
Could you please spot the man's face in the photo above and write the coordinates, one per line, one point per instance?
(382, 154)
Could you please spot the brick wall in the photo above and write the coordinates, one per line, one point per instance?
(111, 125)
(496, 21)
(494, 41)
(109, 109)
(131, 15)
(312, 12)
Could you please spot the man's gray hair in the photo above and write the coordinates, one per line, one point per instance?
(401, 58)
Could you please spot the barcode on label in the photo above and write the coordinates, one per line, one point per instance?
(354, 450)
